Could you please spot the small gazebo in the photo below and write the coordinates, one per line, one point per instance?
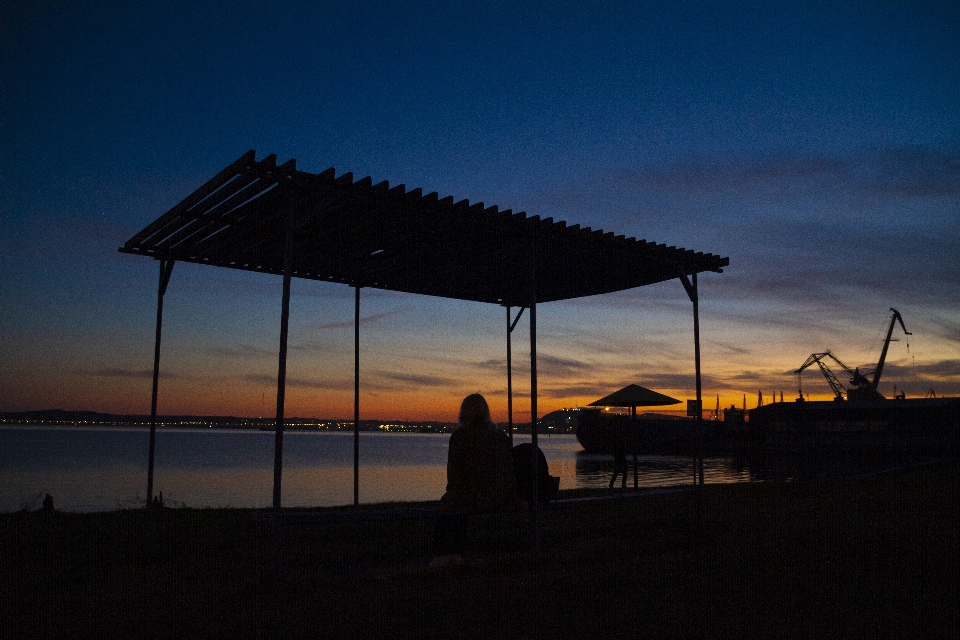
(633, 396)
(259, 216)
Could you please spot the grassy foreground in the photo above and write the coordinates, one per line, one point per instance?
(872, 557)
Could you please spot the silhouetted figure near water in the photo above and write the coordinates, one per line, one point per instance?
(48, 503)
(479, 478)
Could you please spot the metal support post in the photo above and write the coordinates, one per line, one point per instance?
(636, 464)
(510, 328)
(698, 462)
(166, 268)
(356, 397)
(533, 406)
(281, 392)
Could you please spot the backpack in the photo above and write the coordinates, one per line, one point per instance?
(547, 485)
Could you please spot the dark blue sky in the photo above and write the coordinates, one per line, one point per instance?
(816, 145)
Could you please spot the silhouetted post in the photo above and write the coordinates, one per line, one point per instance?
(281, 392)
(533, 404)
(509, 380)
(636, 444)
(510, 327)
(356, 397)
(698, 462)
(166, 268)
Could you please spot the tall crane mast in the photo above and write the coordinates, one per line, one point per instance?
(866, 388)
(886, 344)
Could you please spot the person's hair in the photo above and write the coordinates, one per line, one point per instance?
(474, 411)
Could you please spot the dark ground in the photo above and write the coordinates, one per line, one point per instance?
(874, 557)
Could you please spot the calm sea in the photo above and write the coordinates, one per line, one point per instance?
(100, 469)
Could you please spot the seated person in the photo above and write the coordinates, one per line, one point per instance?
(480, 477)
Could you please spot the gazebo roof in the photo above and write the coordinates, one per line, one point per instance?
(633, 395)
(374, 235)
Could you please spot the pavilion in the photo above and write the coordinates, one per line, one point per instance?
(259, 216)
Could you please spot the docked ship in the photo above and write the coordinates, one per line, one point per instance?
(858, 420)
(901, 425)
(928, 426)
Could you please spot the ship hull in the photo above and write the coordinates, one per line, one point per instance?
(927, 426)
(601, 432)
(916, 426)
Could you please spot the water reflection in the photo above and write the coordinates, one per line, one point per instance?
(593, 470)
(104, 469)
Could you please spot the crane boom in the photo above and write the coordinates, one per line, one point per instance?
(818, 358)
(886, 345)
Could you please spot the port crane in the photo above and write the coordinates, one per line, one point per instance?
(862, 385)
(839, 391)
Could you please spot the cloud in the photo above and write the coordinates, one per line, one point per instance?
(240, 351)
(899, 260)
(723, 176)
(656, 381)
(912, 172)
(941, 376)
(137, 374)
(899, 172)
(494, 364)
(753, 377)
(547, 365)
(939, 370)
(363, 320)
(592, 390)
(416, 380)
(111, 372)
(558, 366)
(949, 329)
(729, 348)
(309, 346)
(271, 381)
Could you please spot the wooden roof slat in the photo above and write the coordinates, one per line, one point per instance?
(226, 175)
(430, 245)
(204, 218)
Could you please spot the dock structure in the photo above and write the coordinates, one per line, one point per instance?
(256, 215)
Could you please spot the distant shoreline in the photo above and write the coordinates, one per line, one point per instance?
(59, 417)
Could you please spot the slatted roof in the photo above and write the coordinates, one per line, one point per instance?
(373, 235)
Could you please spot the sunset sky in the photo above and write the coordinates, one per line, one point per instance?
(815, 144)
